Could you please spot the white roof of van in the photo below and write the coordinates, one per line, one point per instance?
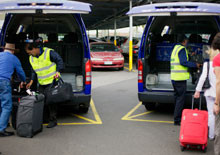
(45, 6)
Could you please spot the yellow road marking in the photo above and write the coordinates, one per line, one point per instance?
(84, 118)
(89, 121)
(128, 69)
(152, 121)
(97, 117)
(145, 113)
(130, 117)
(131, 111)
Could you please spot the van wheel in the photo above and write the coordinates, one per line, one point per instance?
(83, 109)
(150, 106)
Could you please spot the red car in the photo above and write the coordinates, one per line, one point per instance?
(106, 55)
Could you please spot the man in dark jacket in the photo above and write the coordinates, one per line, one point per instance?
(46, 64)
(8, 63)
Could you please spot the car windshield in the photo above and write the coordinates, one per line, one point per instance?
(103, 48)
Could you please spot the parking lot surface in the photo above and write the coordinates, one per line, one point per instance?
(116, 124)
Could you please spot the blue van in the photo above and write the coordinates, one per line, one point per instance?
(59, 24)
(198, 21)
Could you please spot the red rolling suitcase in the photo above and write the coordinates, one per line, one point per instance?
(194, 129)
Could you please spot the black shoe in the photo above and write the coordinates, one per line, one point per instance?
(177, 123)
(6, 133)
(52, 124)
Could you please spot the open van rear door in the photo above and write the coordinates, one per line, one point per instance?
(43, 6)
(176, 9)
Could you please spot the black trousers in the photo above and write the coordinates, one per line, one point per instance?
(179, 94)
(52, 108)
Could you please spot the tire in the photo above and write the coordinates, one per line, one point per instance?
(204, 150)
(150, 106)
(121, 68)
(83, 109)
(182, 148)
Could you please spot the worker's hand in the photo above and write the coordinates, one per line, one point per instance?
(197, 94)
(193, 53)
(198, 65)
(57, 75)
(22, 84)
(216, 109)
(28, 86)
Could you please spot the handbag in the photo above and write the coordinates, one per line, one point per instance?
(206, 84)
(58, 92)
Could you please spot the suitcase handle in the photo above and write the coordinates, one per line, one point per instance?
(200, 102)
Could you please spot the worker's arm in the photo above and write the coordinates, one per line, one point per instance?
(55, 57)
(183, 60)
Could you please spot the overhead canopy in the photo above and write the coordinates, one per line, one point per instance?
(105, 11)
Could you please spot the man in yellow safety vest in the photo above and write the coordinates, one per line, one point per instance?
(180, 63)
(46, 64)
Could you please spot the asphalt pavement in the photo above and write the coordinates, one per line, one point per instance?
(116, 124)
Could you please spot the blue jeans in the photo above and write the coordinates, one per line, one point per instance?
(6, 103)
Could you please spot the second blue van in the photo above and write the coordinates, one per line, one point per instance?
(198, 21)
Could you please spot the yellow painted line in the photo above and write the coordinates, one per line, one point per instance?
(74, 123)
(97, 117)
(84, 118)
(79, 123)
(145, 113)
(129, 117)
(131, 111)
(128, 69)
(152, 121)
(89, 121)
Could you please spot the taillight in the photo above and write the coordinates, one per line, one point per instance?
(88, 72)
(140, 71)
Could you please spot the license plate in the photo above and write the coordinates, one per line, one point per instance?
(108, 62)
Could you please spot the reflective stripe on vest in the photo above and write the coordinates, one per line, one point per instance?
(44, 68)
(178, 72)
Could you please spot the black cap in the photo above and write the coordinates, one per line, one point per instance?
(181, 38)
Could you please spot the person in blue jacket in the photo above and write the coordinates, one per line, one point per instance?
(8, 64)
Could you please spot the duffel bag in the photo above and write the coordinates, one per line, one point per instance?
(58, 92)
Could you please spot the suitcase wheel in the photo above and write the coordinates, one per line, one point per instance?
(182, 148)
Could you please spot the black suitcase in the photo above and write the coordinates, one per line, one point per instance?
(14, 114)
(30, 116)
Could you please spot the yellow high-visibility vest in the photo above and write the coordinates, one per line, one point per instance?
(44, 68)
(178, 72)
